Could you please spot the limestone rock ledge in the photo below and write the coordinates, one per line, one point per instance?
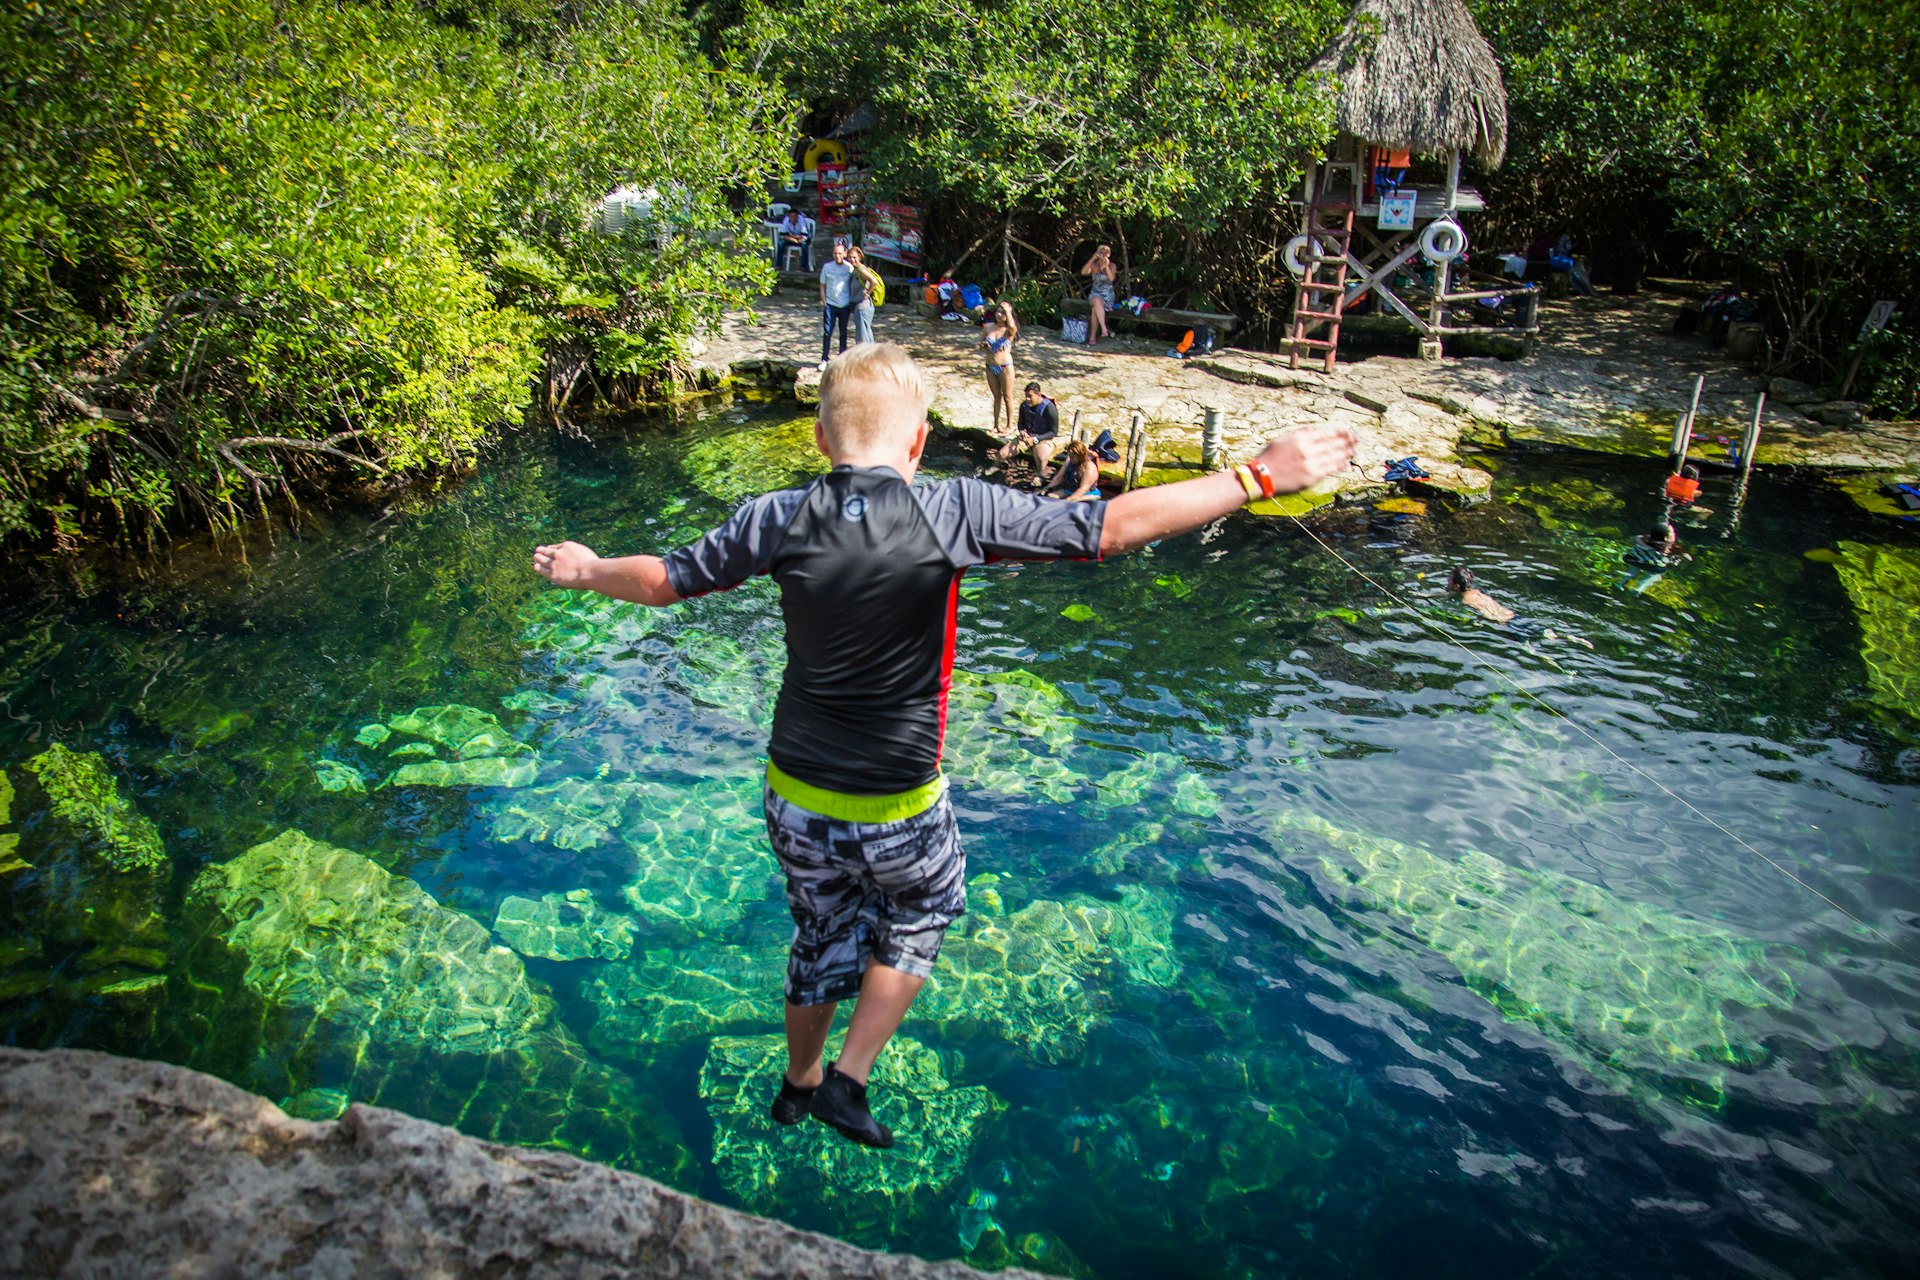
(112, 1167)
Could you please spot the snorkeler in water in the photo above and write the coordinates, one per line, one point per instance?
(1658, 547)
(1460, 582)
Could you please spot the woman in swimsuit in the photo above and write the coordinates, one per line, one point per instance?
(1078, 475)
(1101, 275)
(997, 335)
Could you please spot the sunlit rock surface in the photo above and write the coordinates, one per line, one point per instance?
(876, 1193)
(111, 1167)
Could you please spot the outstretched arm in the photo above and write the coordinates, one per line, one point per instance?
(641, 579)
(1298, 460)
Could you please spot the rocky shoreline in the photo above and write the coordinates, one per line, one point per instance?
(112, 1167)
(1609, 376)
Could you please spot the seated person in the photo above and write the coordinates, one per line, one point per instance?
(1038, 430)
(794, 232)
(1682, 489)
(1460, 582)
(1077, 479)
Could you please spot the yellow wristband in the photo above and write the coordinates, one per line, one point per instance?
(1244, 474)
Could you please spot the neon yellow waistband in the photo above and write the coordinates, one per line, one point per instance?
(851, 808)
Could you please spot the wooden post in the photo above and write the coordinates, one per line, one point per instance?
(1136, 451)
(1431, 345)
(1683, 429)
(1210, 442)
(1453, 181)
(1752, 440)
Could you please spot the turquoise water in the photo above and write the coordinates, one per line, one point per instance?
(1304, 942)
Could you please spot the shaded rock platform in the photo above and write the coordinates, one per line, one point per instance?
(1610, 376)
(112, 1167)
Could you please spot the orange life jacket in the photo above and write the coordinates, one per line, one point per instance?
(1682, 489)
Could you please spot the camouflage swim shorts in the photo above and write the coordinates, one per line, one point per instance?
(863, 891)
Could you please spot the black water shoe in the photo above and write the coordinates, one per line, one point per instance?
(841, 1101)
(792, 1104)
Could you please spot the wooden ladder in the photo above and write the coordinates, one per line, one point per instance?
(1321, 297)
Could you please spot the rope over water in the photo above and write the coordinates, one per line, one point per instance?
(1491, 669)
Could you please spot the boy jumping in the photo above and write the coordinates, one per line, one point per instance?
(869, 571)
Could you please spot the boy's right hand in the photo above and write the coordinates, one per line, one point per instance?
(565, 564)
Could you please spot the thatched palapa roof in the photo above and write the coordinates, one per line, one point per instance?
(1418, 74)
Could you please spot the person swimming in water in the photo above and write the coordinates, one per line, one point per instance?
(1460, 582)
(1658, 547)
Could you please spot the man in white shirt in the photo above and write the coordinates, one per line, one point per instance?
(796, 229)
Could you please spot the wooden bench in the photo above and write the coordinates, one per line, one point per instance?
(1167, 317)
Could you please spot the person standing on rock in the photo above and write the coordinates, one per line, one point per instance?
(836, 300)
(869, 289)
(868, 566)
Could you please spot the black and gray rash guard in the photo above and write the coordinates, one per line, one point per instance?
(869, 571)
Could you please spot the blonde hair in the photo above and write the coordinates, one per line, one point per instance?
(871, 397)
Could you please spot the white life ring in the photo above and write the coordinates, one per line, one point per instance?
(1295, 256)
(1442, 241)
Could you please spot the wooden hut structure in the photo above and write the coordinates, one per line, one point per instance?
(1412, 79)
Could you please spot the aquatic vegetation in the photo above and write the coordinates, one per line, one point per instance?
(1024, 978)
(659, 998)
(82, 793)
(564, 926)
(1078, 613)
(485, 771)
(1616, 981)
(1884, 585)
(738, 465)
(84, 865)
(1573, 502)
(724, 674)
(1401, 506)
(875, 1195)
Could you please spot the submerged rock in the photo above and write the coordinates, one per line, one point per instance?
(661, 999)
(872, 1194)
(1618, 982)
(1025, 978)
(368, 953)
(1884, 584)
(364, 983)
(564, 926)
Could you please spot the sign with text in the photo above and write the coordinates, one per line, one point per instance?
(1396, 210)
(1878, 316)
(893, 234)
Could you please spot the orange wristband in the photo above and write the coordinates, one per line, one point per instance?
(1264, 476)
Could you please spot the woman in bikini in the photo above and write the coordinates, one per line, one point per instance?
(1101, 274)
(997, 334)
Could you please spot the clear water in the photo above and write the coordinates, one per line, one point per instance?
(1307, 943)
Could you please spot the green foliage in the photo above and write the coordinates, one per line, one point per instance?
(1890, 370)
(246, 243)
(1173, 109)
(82, 793)
(1770, 127)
